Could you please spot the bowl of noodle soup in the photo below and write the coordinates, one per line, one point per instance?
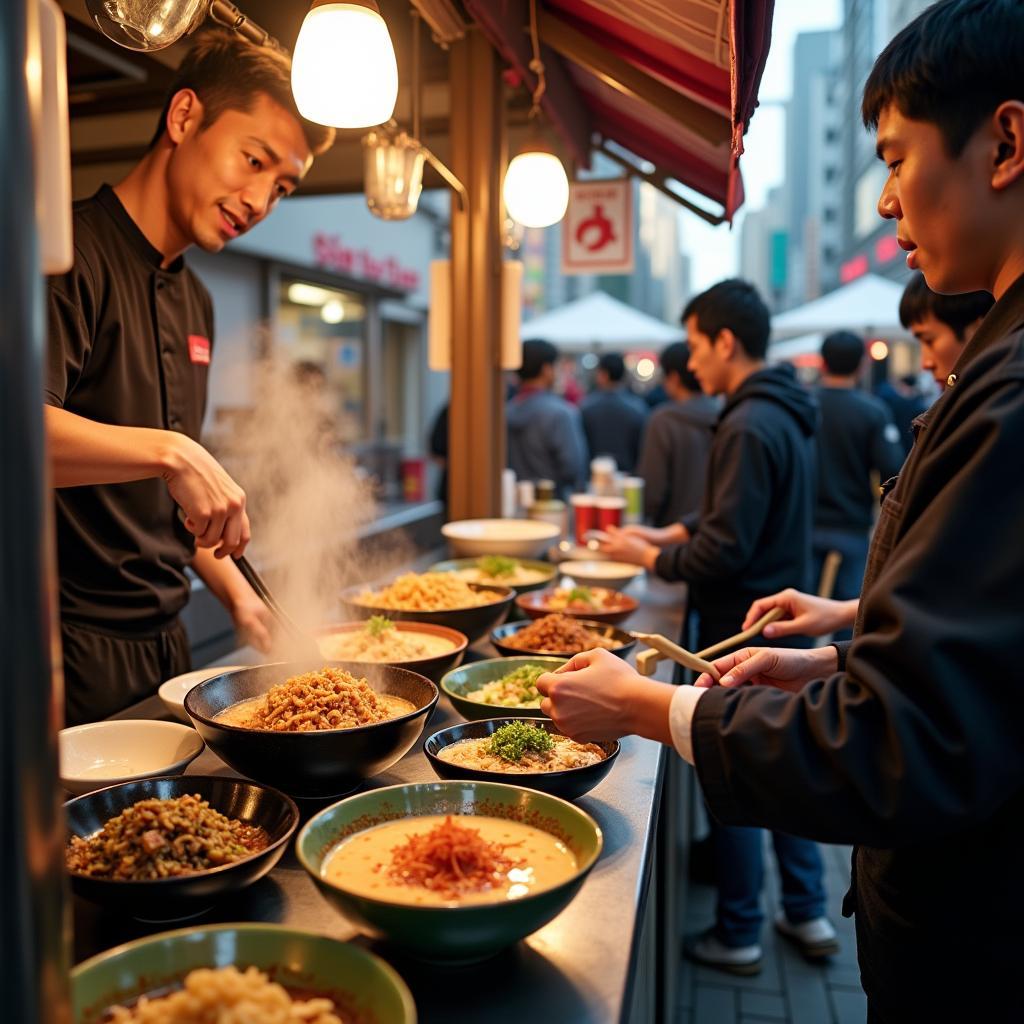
(312, 730)
(438, 598)
(204, 973)
(450, 872)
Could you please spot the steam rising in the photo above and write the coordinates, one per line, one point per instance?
(307, 500)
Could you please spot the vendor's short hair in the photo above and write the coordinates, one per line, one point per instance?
(226, 72)
(734, 305)
(536, 355)
(842, 352)
(956, 311)
(952, 66)
(614, 365)
(675, 358)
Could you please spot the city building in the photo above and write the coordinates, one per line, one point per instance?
(764, 237)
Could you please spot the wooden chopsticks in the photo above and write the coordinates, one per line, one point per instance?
(299, 638)
(661, 648)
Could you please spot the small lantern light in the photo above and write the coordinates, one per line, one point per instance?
(144, 25)
(392, 174)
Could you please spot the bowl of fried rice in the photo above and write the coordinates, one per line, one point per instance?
(257, 973)
(166, 849)
(560, 636)
(313, 730)
(439, 598)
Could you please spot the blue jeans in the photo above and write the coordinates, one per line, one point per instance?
(739, 853)
(739, 862)
(853, 546)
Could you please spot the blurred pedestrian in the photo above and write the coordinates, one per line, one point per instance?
(613, 417)
(942, 324)
(676, 442)
(856, 438)
(545, 436)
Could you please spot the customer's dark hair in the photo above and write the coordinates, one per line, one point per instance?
(675, 359)
(536, 355)
(842, 352)
(734, 305)
(952, 66)
(226, 72)
(614, 365)
(956, 311)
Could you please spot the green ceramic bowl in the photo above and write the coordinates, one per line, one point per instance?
(451, 934)
(548, 570)
(364, 988)
(461, 682)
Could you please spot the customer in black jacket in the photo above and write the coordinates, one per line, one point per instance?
(754, 526)
(908, 742)
(858, 446)
(613, 417)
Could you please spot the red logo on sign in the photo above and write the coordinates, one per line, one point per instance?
(199, 349)
(598, 230)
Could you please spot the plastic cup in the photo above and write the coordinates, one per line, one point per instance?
(610, 512)
(584, 509)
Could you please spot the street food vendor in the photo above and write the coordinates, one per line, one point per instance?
(130, 342)
(907, 742)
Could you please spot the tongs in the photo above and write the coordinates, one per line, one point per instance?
(299, 640)
(662, 648)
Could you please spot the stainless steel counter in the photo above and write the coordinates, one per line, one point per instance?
(596, 962)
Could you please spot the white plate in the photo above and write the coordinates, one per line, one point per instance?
(517, 538)
(172, 692)
(592, 573)
(121, 750)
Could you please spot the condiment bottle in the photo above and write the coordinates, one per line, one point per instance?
(547, 507)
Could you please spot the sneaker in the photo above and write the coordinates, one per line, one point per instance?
(708, 950)
(816, 939)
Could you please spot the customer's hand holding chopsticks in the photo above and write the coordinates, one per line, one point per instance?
(781, 667)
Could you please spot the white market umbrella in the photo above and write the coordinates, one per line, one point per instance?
(597, 320)
(870, 305)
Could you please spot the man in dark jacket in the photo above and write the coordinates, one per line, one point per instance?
(545, 437)
(613, 417)
(857, 440)
(677, 441)
(908, 741)
(754, 526)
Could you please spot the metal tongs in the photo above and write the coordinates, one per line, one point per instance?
(662, 648)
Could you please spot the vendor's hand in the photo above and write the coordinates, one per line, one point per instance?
(805, 614)
(659, 536)
(622, 546)
(214, 505)
(781, 667)
(588, 696)
(253, 621)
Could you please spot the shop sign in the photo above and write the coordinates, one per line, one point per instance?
(597, 232)
(331, 254)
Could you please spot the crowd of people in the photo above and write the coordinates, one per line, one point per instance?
(905, 741)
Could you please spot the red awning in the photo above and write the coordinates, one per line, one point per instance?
(674, 84)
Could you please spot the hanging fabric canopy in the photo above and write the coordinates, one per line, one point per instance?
(870, 305)
(598, 321)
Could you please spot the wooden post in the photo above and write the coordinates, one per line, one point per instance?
(476, 447)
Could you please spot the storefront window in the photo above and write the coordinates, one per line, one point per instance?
(322, 330)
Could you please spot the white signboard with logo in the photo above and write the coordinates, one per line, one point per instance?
(597, 232)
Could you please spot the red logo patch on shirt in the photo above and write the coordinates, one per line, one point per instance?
(199, 349)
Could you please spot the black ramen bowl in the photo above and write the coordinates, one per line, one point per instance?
(569, 784)
(310, 765)
(472, 622)
(169, 899)
(625, 642)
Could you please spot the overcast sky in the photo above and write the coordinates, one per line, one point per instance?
(715, 251)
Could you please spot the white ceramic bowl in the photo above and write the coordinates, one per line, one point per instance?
(517, 538)
(106, 753)
(592, 573)
(172, 692)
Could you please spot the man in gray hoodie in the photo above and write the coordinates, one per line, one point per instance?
(545, 436)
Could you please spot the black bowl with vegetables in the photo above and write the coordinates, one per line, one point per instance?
(515, 750)
(175, 896)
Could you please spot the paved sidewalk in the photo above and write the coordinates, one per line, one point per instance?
(788, 988)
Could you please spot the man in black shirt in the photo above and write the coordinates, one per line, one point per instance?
(130, 343)
(856, 438)
(613, 417)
